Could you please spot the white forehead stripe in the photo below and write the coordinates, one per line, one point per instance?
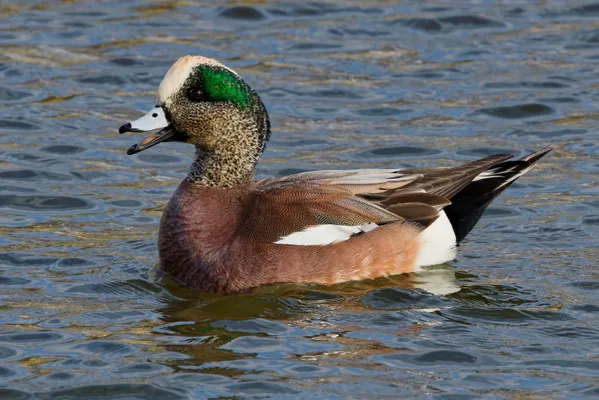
(176, 76)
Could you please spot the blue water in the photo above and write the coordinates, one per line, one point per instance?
(348, 84)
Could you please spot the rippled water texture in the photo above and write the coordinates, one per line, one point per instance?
(348, 84)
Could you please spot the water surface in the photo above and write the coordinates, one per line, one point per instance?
(349, 84)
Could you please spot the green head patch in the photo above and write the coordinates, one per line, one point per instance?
(221, 84)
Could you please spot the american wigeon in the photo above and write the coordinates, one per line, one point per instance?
(222, 231)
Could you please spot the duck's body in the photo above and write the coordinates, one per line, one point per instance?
(224, 232)
(235, 251)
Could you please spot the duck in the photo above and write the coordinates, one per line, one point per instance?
(225, 232)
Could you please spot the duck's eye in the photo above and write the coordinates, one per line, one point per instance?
(195, 95)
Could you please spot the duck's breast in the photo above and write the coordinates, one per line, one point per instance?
(196, 224)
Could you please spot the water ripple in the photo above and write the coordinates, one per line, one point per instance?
(518, 111)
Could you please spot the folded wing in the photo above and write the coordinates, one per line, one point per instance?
(338, 204)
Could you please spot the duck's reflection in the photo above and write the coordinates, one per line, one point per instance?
(289, 301)
(206, 327)
(439, 280)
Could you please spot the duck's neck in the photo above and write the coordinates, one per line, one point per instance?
(224, 167)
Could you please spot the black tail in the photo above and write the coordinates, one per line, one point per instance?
(468, 205)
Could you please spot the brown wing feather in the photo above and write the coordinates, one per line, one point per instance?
(420, 213)
(415, 197)
(286, 205)
(446, 182)
(354, 197)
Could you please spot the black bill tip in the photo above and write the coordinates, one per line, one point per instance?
(133, 149)
(125, 128)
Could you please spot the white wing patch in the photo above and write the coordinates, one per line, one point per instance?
(320, 235)
(485, 175)
(437, 243)
(502, 174)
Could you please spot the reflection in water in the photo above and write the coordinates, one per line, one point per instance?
(348, 85)
(439, 281)
(282, 320)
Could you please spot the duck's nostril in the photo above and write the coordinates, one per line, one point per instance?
(154, 115)
(125, 128)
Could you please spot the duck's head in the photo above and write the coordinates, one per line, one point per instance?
(202, 102)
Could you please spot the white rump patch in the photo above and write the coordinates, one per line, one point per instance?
(179, 72)
(321, 235)
(437, 243)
